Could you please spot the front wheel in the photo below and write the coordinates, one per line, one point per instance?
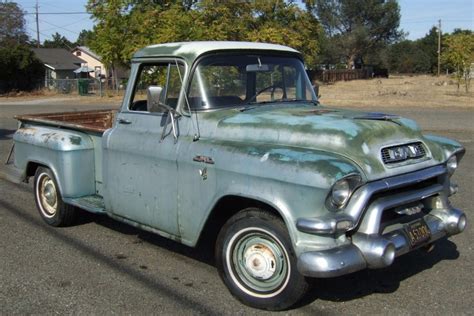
(49, 202)
(256, 261)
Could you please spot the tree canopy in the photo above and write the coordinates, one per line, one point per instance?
(459, 55)
(12, 24)
(58, 41)
(357, 28)
(124, 26)
(20, 69)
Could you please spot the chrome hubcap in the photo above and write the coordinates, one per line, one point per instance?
(47, 195)
(260, 262)
(50, 193)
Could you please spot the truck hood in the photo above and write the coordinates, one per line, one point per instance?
(357, 136)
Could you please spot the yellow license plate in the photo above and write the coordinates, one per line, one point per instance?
(418, 232)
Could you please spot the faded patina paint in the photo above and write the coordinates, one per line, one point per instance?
(285, 155)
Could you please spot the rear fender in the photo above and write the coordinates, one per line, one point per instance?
(69, 154)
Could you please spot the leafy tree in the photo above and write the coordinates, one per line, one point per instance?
(12, 24)
(429, 45)
(408, 57)
(359, 27)
(85, 36)
(124, 26)
(20, 70)
(459, 54)
(58, 41)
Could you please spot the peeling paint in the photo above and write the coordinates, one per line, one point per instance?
(332, 131)
(76, 140)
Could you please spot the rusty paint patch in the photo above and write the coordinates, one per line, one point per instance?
(93, 121)
(76, 140)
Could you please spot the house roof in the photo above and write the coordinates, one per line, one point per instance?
(58, 58)
(88, 51)
(190, 51)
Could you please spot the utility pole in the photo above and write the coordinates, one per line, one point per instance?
(439, 46)
(37, 27)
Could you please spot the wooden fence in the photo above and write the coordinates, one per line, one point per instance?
(341, 75)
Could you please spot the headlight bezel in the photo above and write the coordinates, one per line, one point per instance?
(352, 182)
(452, 164)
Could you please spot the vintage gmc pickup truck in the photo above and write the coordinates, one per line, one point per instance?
(228, 140)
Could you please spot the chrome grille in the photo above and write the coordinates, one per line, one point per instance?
(402, 153)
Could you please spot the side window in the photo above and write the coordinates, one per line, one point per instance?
(165, 75)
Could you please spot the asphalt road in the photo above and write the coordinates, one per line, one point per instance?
(104, 267)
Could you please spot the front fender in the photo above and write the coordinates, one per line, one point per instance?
(293, 181)
(442, 148)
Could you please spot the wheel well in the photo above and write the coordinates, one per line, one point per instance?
(224, 209)
(31, 168)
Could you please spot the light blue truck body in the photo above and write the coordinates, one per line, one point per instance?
(283, 157)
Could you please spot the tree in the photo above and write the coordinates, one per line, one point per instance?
(84, 38)
(124, 26)
(20, 70)
(459, 54)
(408, 57)
(12, 24)
(429, 44)
(358, 27)
(58, 41)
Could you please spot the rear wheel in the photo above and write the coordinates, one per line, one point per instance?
(49, 202)
(256, 261)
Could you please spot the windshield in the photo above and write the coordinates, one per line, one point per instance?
(244, 79)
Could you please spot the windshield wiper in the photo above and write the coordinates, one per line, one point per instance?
(255, 104)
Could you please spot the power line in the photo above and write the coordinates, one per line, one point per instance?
(53, 28)
(60, 27)
(55, 13)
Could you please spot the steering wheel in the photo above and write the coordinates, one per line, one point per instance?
(273, 88)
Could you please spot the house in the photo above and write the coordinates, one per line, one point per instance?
(91, 60)
(59, 63)
(94, 61)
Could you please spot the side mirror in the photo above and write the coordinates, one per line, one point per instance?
(153, 96)
(153, 104)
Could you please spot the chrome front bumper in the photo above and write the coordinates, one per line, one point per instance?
(368, 251)
(371, 245)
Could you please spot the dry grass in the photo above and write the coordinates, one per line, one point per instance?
(397, 91)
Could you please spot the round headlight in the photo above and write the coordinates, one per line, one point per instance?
(341, 192)
(452, 164)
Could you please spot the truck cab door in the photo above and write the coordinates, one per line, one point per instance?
(140, 153)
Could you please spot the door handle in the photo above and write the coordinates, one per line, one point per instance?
(124, 121)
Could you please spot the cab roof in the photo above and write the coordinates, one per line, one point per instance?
(190, 51)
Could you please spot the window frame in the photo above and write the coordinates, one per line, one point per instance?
(231, 52)
(168, 63)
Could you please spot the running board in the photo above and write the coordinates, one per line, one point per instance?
(91, 203)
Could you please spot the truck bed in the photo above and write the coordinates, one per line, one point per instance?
(91, 121)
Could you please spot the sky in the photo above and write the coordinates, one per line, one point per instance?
(417, 17)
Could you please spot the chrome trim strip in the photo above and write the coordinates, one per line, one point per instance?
(326, 224)
(361, 196)
(332, 262)
(370, 224)
(321, 225)
(363, 252)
